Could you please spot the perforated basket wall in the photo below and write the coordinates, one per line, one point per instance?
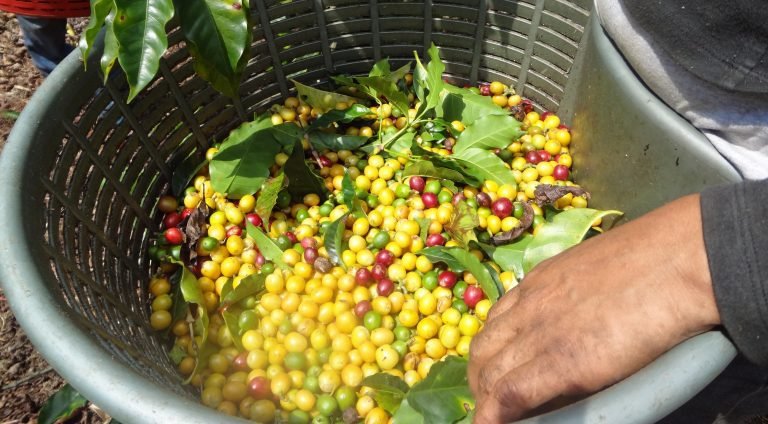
(101, 164)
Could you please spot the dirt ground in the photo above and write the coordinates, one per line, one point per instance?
(26, 379)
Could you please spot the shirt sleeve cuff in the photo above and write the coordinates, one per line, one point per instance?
(735, 227)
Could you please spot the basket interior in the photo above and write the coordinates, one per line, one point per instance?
(108, 161)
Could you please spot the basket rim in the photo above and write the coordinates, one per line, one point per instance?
(118, 389)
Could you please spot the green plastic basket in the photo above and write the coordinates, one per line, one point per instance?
(82, 172)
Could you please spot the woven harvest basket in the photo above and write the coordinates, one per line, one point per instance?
(47, 9)
(82, 172)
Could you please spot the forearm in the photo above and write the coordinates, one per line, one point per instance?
(735, 227)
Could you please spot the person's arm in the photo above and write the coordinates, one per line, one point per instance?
(602, 310)
(595, 314)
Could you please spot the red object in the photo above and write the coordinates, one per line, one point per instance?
(47, 9)
(435, 240)
(447, 279)
(174, 235)
(472, 295)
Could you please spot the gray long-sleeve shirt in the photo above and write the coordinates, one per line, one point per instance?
(708, 60)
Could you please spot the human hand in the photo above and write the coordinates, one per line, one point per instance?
(594, 314)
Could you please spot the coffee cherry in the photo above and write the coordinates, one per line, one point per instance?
(385, 257)
(502, 207)
(430, 200)
(385, 287)
(417, 183)
(560, 172)
(174, 236)
(172, 219)
(458, 197)
(483, 199)
(435, 240)
(472, 295)
(532, 157)
(378, 272)
(310, 255)
(447, 279)
(363, 277)
(254, 219)
(362, 307)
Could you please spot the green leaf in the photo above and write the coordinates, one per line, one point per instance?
(426, 168)
(566, 230)
(400, 72)
(249, 286)
(267, 247)
(383, 86)
(180, 306)
(320, 99)
(444, 395)
(247, 129)
(468, 419)
(177, 354)
(469, 262)
(439, 254)
(140, 30)
(192, 294)
(61, 405)
(100, 9)
(424, 224)
(287, 134)
(109, 55)
(242, 164)
(184, 172)
(356, 111)
(244, 158)
(382, 69)
(460, 104)
(407, 415)
(321, 140)
(389, 390)
(231, 318)
(428, 81)
(302, 180)
(203, 354)
(447, 162)
(462, 224)
(489, 132)
(218, 36)
(403, 143)
(10, 114)
(485, 165)
(510, 256)
(268, 196)
(333, 239)
(349, 196)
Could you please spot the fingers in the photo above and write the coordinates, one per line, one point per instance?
(509, 300)
(522, 389)
(497, 335)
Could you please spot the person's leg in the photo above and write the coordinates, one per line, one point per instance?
(45, 41)
(740, 392)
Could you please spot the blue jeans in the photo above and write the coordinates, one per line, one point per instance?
(45, 41)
